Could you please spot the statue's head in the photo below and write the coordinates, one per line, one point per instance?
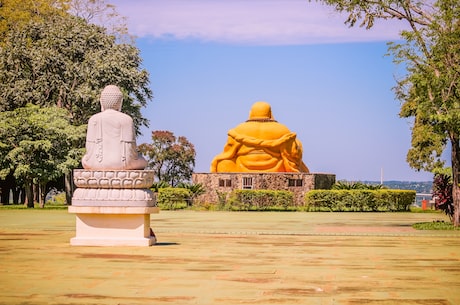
(111, 98)
(261, 111)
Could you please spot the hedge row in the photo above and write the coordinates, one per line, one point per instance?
(173, 198)
(258, 200)
(317, 200)
(359, 200)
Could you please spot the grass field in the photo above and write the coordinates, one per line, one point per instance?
(234, 258)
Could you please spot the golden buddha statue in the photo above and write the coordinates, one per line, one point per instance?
(260, 144)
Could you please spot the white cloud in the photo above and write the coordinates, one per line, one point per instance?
(257, 22)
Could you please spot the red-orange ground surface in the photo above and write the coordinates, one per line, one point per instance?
(234, 258)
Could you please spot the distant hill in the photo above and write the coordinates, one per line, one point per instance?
(421, 187)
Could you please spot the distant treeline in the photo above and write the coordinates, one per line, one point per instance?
(421, 187)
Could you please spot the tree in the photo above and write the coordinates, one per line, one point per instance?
(18, 13)
(38, 144)
(430, 91)
(101, 13)
(172, 159)
(65, 61)
(49, 57)
(14, 14)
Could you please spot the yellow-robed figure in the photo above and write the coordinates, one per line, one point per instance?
(260, 144)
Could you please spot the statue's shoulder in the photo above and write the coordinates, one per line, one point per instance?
(125, 117)
(110, 113)
(94, 118)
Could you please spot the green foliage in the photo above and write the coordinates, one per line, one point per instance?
(18, 13)
(359, 200)
(173, 198)
(419, 186)
(430, 89)
(417, 209)
(172, 159)
(222, 199)
(442, 194)
(50, 58)
(443, 171)
(346, 185)
(435, 225)
(36, 205)
(260, 200)
(39, 143)
(57, 200)
(159, 185)
(102, 13)
(64, 61)
(195, 189)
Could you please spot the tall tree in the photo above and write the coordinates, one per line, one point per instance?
(14, 14)
(172, 159)
(61, 60)
(430, 90)
(101, 13)
(17, 13)
(38, 145)
(65, 61)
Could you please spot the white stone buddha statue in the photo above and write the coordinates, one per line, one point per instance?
(110, 139)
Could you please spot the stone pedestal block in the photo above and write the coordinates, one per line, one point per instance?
(113, 226)
(113, 208)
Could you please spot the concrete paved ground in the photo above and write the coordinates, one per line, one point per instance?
(234, 258)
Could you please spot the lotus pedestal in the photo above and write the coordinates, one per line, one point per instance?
(113, 208)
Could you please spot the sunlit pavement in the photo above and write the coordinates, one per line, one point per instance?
(234, 258)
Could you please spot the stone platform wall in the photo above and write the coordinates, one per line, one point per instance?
(298, 183)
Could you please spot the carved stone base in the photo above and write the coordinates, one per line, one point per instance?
(113, 226)
(110, 179)
(113, 208)
(113, 188)
(113, 197)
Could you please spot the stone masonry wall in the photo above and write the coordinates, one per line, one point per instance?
(298, 183)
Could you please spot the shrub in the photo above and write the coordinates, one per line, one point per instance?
(159, 185)
(195, 190)
(346, 185)
(356, 200)
(57, 199)
(173, 198)
(442, 193)
(222, 197)
(260, 200)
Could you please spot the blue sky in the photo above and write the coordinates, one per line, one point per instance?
(210, 60)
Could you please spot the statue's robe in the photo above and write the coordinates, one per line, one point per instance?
(260, 145)
(111, 143)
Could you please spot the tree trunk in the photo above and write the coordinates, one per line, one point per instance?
(69, 187)
(455, 178)
(41, 194)
(17, 194)
(22, 198)
(4, 192)
(36, 192)
(6, 186)
(29, 194)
